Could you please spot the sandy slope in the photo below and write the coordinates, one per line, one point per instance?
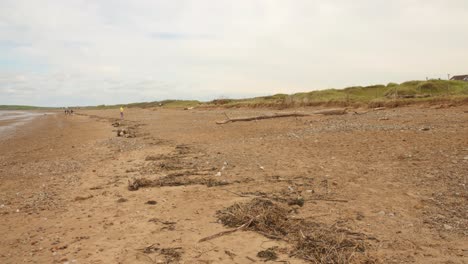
(64, 196)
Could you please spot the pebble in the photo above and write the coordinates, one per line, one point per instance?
(447, 227)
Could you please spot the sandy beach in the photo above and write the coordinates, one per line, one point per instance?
(11, 120)
(394, 180)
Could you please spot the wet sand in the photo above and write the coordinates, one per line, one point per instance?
(11, 120)
(64, 193)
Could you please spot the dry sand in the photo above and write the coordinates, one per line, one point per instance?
(64, 194)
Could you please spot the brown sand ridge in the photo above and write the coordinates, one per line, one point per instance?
(383, 186)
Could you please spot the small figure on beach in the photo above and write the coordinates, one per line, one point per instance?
(121, 112)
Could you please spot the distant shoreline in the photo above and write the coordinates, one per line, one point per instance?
(10, 120)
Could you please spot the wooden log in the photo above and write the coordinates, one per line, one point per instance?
(339, 111)
(226, 232)
(379, 108)
(277, 115)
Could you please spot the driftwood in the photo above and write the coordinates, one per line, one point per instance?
(379, 108)
(229, 120)
(226, 232)
(341, 111)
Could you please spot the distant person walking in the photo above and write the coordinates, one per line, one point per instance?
(121, 112)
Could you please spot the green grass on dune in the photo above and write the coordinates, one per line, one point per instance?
(164, 103)
(391, 94)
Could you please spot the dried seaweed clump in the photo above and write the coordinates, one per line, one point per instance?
(264, 217)
(310, 240)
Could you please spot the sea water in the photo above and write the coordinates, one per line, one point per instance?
(10, 120)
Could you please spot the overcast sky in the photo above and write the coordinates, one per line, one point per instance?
(85, 52)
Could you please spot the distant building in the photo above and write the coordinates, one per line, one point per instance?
(460, 78)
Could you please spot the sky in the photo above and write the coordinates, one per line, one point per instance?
(89, 52)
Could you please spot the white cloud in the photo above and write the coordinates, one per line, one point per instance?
(56, 52)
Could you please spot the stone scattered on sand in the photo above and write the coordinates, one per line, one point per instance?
(122, 200)
(382, 213)
(151, 202)
(268, 254)
(447, 227)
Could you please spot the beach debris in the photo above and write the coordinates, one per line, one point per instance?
(296, 201)
(230, 254)
(337, 111)
(125, 133)
(225, 232)
(122, 200)
(254, 118)
(379, 108)
(173, 180)
(268, 254)
(171, 255)
(82, 198)
(312, 241)
(447, 227)
(135, 183)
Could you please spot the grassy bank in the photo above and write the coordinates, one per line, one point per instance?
(390, 95)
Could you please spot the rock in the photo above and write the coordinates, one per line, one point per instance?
(424, 129)
(447, 227)
(151, 202)
(297, 201)
(268, 254)
(359, 216)
(382, 213)
(218, 174)
(122, 200)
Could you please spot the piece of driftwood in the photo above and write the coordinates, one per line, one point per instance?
(277, 115)
(226, 232)
(338, 111)
(379, 108)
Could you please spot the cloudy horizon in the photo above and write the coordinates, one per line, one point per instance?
(82, 52)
